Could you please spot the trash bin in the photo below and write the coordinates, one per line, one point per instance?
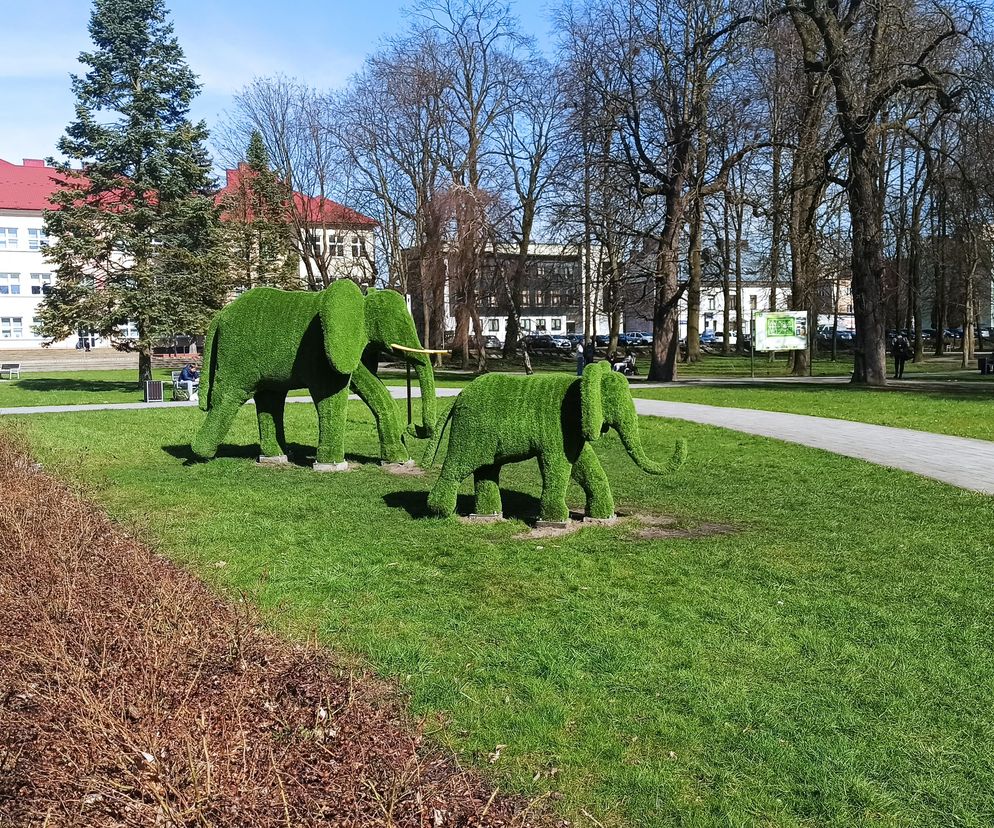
(153, 391)
(982, 364)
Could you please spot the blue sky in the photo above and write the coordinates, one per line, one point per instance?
(227, 43)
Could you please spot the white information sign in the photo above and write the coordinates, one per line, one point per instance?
(781, 331)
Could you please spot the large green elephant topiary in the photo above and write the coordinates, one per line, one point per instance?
(500, 419)
(269, 341)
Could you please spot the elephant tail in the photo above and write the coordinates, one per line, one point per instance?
(435, 443)
(679, 455)
(209, 366)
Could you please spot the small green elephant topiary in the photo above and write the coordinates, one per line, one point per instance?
(500, 419)
(268, 341)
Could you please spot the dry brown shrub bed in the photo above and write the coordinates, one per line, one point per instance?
(130, 694)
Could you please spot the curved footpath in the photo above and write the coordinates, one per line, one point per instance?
(958, 461)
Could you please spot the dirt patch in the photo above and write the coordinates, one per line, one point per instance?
(637, 525)
(131, 695)
(662, 527)
(402, 469)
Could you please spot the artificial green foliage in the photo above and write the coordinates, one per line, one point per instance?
(269, 341)
(502, 418)
(136, 233)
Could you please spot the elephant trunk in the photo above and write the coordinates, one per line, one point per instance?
(632, 441)
(426, 381)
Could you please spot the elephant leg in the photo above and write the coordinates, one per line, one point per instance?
(376, 396)
(215, 428)
(487, 490)
(442, 498)
(555, 480)
(588, 472)
(333, 408)
(269, 407)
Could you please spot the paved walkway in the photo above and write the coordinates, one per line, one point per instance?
(959, 461)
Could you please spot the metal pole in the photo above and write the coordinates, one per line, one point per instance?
(811, 346)
(752, 346)
(410, 418)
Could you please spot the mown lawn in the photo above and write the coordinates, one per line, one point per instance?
(829, 663)
(111, 386)
(965, 413)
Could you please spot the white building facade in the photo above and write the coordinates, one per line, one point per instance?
(24, 271)
(343, 237)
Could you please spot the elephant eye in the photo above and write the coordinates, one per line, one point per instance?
(605, 428)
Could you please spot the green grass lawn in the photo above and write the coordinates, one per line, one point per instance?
(828, 664)
(965, 413)
(113, 386)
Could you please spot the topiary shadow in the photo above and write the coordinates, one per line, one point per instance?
(517, 505)
(89, 386)
(298, 454)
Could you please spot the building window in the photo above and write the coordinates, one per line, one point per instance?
(493, 325)
(711, 303)
(524, 298)
(8, 238)
(38, 283)
(10, 283)
(314, 242)
(557, 324)
(336, 245)
(526, 324)
(358, 247)
(539, 298)
(555, 298)
(539, 324)
(752, 302)
(11, 327)
(36, 238)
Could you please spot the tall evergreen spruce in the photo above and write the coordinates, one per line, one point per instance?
(136, 234)
(257, 225)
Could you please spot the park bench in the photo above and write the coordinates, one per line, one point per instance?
(184, 389)
(11, 369)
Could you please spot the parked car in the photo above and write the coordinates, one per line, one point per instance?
(543, 342)
(636, 338)
(708, 337)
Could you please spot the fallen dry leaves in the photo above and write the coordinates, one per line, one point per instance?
(130, 694)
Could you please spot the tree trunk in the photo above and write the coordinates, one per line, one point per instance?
(726, 277)
(144, 363)
(776, 227)
(694, 283)
(665, 316)
(870, 358)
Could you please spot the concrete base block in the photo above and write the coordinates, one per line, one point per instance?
(277, 460)
(611, 521)
(407, 467)
(552, 524)
(331, 467)
(494, 518)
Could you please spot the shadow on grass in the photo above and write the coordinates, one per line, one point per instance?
(298, 454)
(517, 504)
(79, 385)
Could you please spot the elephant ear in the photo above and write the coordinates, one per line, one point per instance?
(592, 401)
(343, 325)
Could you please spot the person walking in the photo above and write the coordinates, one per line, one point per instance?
(588, 351)
(901, 351)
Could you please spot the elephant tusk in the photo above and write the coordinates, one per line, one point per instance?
(416, 350)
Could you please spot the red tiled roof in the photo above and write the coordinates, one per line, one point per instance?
(27, 186)
(312, 210)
